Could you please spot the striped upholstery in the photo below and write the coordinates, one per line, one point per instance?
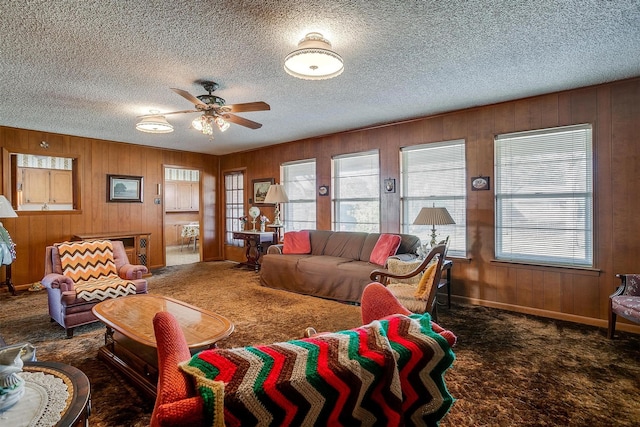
(91, 266)
(389, 372)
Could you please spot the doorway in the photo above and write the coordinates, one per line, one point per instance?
(182, 215)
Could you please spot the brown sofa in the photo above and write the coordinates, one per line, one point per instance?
(338, 266)
(64, 305)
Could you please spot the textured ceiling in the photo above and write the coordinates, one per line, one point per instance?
(88, 68)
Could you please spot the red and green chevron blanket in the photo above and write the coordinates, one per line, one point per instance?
(387, 373)
(92, 267)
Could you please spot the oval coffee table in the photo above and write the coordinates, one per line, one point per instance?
(130, 343)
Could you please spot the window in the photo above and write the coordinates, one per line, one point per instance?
(544, 196)
(234, 205)
(356, 192)
(299, 180)
(435, 174)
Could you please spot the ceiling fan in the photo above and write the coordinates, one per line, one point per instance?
(215, 111)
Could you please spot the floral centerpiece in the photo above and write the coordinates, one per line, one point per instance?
(243, 220)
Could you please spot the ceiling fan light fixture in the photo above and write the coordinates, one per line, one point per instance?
(222, 124)
(154, 124)
(314, 59)
(203, 124)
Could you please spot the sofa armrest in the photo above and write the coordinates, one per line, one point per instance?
(58, 281)
(132, 272)
(275, 249)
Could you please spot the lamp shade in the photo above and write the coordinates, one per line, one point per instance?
(154, 124)
(433, 216)
(276, 194)
(6, 210)
(314, 59)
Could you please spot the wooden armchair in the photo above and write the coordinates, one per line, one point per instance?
(420, 298)
(78, 275)
(625, 301)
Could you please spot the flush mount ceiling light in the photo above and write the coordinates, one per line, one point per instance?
(154, 124)
(314, 59)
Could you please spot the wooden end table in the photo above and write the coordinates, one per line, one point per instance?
(77, 406)
(130, 342)
(255, 242)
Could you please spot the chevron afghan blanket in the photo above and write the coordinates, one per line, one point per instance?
(387, 373)
(92, 268)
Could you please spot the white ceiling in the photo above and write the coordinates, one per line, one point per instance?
(88, 68)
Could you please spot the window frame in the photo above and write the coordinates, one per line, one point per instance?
(450, 201)
(289, 217)
(579, 200)
(234, 221)
(10, 180)
(337, 201)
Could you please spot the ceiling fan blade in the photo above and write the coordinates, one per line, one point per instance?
(182, 111)
(189, 97)
(248, 106)
(166, 114)
(242, 121)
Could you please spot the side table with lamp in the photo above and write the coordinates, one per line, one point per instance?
(437, 216)
(7, 247)
(276, 195)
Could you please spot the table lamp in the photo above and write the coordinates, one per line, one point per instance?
(433, 216)
(276, 195)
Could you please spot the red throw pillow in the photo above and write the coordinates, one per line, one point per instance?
(296, 242)
(386, 246)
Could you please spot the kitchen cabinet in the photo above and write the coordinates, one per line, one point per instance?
(181, 196)
(47, 186)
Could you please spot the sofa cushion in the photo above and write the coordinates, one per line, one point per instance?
(345, 244)
(386, 246)
(296, 243)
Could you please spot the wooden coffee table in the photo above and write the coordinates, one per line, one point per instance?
(130, 343)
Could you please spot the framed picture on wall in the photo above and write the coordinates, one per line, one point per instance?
(124, 188)
(260, 188)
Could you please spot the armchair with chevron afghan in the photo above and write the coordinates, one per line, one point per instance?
(388, 372)
(625, 301)
(78, 275)
(416, 290)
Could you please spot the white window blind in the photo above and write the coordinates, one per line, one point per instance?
(234, 205)
(435, 174)
(299, 180)
(356, 192)
(544, 196)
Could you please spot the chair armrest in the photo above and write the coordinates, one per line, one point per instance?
(58, 281)
(275, 249)
(629, 285)
(184, 412)
(132, 272)
(382, 275)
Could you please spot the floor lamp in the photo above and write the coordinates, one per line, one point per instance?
(7, 247)
(433, 216)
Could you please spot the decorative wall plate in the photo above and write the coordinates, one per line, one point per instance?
(479, 183)
(254, 212)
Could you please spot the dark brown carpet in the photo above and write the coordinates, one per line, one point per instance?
(510, 369)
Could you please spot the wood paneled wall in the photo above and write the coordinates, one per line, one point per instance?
(33, 231)
(571, 294)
